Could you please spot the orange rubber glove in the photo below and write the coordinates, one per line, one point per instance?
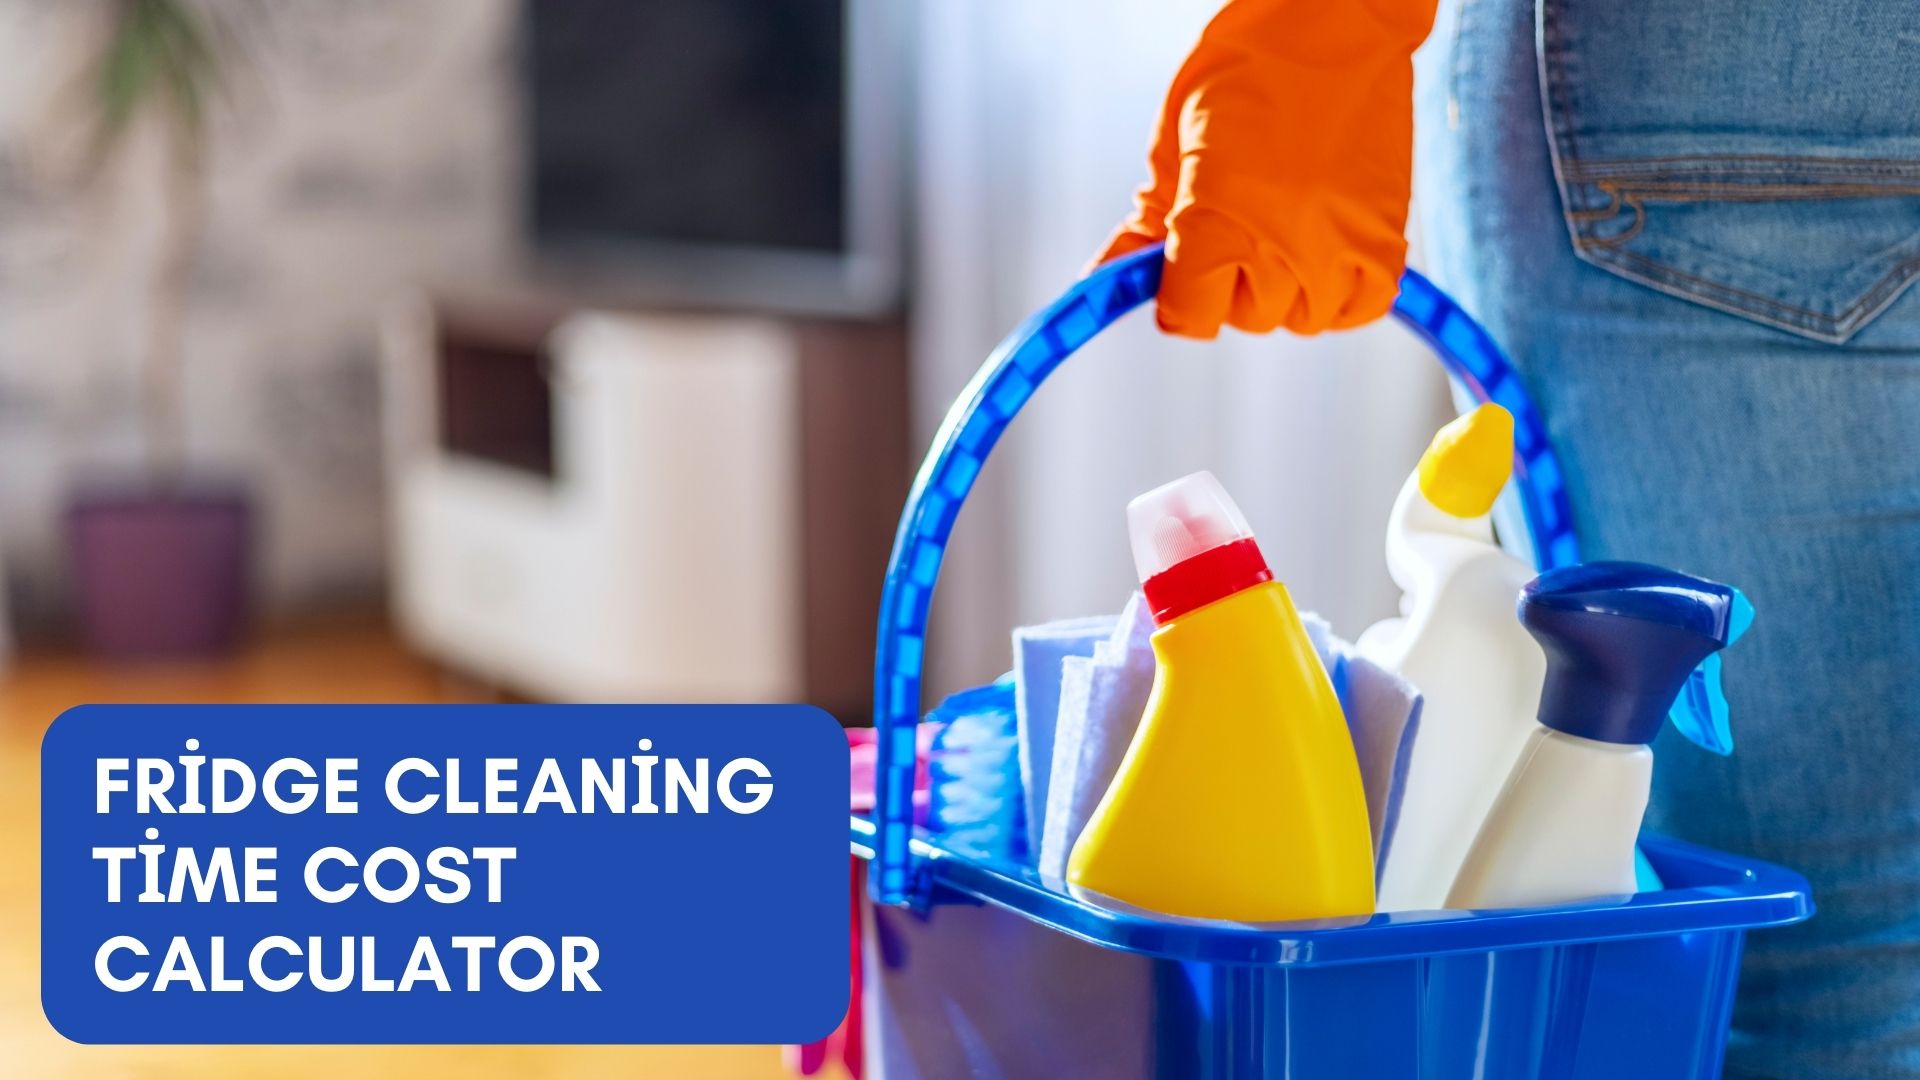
(1281, 168)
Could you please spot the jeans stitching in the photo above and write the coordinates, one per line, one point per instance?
(1675, 191)
(1633, 230)
(1779, 163)
(1612, 208)
(1633, 198)
(1898, 274)
(1555, 107)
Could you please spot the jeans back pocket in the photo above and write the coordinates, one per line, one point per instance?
(1763, 159)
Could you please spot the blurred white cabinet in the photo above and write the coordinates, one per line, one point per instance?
(616, 517)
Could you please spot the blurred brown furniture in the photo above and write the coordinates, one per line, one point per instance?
(494, 403)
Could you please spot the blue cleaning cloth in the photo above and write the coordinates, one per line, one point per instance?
(1039, 653)
(1383, 717)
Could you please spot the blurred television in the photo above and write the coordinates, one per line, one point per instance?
(720, 153)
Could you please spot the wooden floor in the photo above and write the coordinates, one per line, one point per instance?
(335, 662)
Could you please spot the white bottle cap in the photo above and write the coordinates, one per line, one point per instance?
(1174, 522)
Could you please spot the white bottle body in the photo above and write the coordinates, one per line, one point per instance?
(1461, 645)
(1564, 827)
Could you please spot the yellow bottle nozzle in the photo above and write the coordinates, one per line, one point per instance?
(1468, 462)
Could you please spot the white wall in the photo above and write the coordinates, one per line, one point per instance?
(1034, 121)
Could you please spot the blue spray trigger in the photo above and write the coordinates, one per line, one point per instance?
(1700, 712)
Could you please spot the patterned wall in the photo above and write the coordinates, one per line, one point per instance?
(365, 145)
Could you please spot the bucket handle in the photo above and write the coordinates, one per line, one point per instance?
(989, 403)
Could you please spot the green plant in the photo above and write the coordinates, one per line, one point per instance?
(161, 61)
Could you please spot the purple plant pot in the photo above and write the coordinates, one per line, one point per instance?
(161, 574)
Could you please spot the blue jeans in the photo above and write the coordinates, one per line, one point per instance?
(1692, 223)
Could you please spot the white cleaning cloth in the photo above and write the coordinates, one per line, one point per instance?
(1038, 655)
(1101, 699)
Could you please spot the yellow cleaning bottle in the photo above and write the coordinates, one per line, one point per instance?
(1240, 796)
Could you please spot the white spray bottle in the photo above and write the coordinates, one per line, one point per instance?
(1622, 642)
(1459, 643)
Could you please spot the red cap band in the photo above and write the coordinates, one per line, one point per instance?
(1212, 575)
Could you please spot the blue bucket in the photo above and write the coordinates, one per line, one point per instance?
(979, 968)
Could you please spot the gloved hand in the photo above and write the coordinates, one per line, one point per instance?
(1281, 168)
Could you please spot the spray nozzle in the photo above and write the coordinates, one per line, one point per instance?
(1629, 645)
(1700, 712)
